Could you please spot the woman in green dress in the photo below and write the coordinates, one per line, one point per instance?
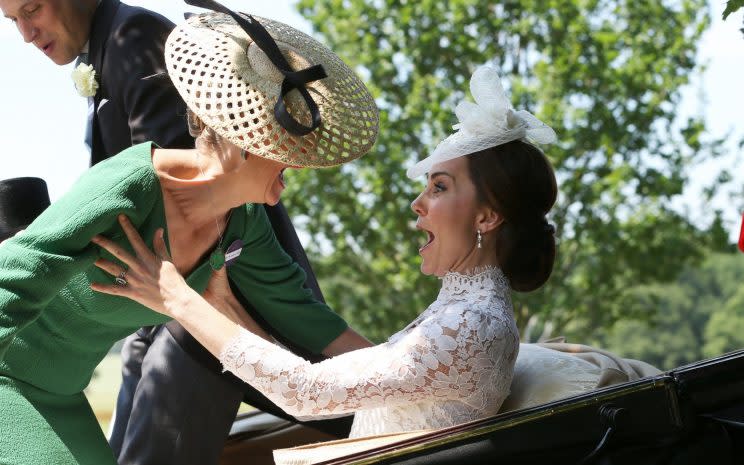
(54, 329)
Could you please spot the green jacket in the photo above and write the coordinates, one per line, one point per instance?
(54, 329)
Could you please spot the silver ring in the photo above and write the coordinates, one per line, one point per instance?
(121, 280)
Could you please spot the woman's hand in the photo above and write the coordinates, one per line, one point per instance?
(219, 295)
(153, 281)
(150, 279)
(218, 292)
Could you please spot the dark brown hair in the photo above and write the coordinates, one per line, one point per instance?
(518, 182)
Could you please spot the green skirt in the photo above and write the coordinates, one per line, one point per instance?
(38, 427)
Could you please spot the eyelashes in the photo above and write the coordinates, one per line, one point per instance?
(439, 187)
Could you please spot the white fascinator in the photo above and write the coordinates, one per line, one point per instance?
(488, 122)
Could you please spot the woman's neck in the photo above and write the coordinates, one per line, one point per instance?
(196, 186)
(476, 259)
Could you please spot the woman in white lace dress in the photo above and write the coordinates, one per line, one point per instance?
(483, 211)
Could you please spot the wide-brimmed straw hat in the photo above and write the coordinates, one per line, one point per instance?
(21, 201)
(317, 113)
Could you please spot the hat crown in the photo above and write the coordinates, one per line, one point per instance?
(262, 65)
(21, 201)
(232, 86)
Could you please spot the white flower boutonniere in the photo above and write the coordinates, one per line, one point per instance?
(84, 77)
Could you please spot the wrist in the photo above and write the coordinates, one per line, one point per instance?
(179, 307)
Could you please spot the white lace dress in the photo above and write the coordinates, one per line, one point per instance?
(452, 364)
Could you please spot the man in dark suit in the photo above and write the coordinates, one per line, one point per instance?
(172, 407)
(124, 44)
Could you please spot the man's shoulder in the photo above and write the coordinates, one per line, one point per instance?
(133, 45)
(127, 12)
(146, 21)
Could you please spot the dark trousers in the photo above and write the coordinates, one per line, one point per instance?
(161, 418)
(174, 409)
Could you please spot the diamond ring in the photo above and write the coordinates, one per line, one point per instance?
(121, 280)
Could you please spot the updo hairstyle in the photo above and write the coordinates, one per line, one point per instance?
(518, 182)
(199, 130)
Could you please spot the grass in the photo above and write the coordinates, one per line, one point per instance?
(103, 389)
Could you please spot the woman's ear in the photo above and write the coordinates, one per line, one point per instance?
(488, 220)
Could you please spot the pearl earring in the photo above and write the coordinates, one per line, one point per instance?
(479, 240)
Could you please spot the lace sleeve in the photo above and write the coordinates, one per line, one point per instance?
(455, 355)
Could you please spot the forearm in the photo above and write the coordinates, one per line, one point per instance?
(346, 342)
(230, 307)
(213, 323)
(373, 377)
(32, 271)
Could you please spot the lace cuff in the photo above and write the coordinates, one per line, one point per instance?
(232, 356)
(228, 354)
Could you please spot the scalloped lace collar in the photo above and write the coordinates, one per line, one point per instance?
(483, 280)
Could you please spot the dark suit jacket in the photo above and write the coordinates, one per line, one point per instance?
(127, 44)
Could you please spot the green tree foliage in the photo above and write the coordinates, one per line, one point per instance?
(724, 330)
(700, 315)
(605, 74)
(732, 6)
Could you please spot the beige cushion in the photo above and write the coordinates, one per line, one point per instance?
(546, 372)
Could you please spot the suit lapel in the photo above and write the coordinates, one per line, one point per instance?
(99, 34)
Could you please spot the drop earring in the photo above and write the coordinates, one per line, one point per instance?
(479, 240)
(243, 154)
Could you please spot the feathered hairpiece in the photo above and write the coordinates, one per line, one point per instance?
(488, 122)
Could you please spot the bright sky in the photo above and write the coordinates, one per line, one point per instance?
(43, 119)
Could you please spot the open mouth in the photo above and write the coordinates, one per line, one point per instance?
(430, 238)
(47, 49)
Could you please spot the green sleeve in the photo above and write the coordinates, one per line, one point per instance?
(37, 263)
(274, 284)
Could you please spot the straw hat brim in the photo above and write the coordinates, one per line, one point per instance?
(232, 86)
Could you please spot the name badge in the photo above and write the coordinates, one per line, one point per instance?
(233, 252)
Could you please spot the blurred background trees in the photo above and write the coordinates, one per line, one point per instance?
(607, 76)
(699, 315)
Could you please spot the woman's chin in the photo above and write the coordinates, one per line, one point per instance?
(272, 198)
(274, 194)
(427, 270)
